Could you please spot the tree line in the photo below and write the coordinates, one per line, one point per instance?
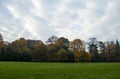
(60, 50)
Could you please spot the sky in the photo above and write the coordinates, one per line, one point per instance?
(40, 19)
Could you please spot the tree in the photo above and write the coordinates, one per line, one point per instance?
(52, 40)
(93, 46)
(70, 56)
(59, 49)
(102, 50)
(77, 45)
(110, 51)
(76, 56)
(20, 49)
(39, 52)
(101, 46)
(1, 43)
(84, 57)
(52, 51)
(117, 48)
(62, 55)
(93, 49)
(62, 43)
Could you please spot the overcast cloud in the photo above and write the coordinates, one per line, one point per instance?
(40, 19)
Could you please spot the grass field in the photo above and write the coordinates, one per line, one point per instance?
(31, 70)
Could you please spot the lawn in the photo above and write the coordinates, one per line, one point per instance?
(33, 70)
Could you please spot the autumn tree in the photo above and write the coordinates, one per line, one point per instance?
(112, 51)
(20, 49)
(77, 45)
(1, 43)
(60, 50)
(78, 48)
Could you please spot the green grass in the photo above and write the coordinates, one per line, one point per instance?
(32, 70)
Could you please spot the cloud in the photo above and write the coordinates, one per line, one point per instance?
(40, 19)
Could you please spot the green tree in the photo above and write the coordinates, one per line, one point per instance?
(93, 49)
(62, 43)
(84, 57)
(52, 52)
(62, 55)
(71, 56)
(76, 56)
(52, 39)
(117, 50)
